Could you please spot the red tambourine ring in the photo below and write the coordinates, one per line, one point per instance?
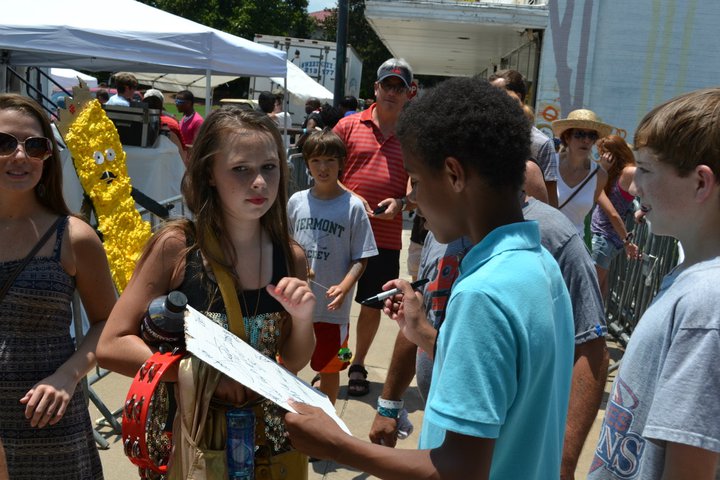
(145, 440)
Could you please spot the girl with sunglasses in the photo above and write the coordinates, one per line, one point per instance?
(579, 182)
(44, 422)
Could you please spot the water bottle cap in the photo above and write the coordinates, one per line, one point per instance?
(176, 301)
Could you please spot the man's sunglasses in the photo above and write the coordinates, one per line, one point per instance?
(35, 147)
(398, 87)
(179, 101)
(582, 134)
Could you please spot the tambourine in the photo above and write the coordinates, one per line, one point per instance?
(145, 440)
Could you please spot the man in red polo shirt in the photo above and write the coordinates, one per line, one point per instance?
(374, 172)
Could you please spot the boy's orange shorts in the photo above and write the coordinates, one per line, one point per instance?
(329, 339)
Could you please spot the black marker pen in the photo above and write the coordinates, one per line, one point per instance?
(393, 291)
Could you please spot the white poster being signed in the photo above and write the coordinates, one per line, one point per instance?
(227, 353)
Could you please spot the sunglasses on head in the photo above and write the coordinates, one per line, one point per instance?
(35, 147)
(582, 134)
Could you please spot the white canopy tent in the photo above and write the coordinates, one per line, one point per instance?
(299, 84)
(71, 34)
(302, 86)
(68, 78)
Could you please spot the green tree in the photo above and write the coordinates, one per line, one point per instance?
(364, 40)
(244, 18)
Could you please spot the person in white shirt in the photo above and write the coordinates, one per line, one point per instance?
(126, 84)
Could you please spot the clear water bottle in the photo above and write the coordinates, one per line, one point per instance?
(164, 321)
(240, 446)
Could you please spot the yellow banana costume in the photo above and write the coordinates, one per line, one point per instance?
(99, 161)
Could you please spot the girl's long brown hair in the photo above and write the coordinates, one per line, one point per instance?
(620, 150)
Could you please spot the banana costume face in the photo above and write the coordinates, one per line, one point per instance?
(99, 161)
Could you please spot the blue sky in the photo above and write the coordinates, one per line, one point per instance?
(315, 5)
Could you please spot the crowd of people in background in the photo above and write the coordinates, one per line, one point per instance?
(507, 338)
(471, 322)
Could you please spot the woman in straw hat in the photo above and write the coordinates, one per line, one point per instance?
(580, 183)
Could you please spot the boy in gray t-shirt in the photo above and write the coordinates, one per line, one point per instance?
(663, 416)
(332, 227)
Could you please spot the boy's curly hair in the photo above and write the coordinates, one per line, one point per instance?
(472, 121)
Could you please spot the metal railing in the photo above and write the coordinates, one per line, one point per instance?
(298, 176)
(176, 207)
(109, 418)
(34, 91)
(634, 283)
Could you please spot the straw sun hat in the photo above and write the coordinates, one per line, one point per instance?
(584, 119)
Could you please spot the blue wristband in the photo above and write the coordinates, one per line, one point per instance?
(388, 412)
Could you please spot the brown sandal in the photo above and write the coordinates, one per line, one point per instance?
(358, 387)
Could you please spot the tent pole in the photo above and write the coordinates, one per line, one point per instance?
(341, 51)
(286, 108)
(208, 92)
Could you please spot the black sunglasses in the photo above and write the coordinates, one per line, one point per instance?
(581, 134)
(398, 87)
(35, 147)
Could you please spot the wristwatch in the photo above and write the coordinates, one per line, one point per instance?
(628, 238)
(403, 202)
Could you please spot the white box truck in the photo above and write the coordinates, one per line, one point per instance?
(317, 59)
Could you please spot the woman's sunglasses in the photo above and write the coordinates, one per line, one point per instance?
(35, 147)
(582, 134)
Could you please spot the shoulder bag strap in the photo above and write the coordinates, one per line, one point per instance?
(227, 290)
(43, 240)
(577, 190)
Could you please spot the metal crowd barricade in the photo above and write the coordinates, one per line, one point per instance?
(109, 418)
(298, 176)
(634, 283)
(175, 205)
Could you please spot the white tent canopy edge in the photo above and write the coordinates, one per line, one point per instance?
(71, 35)
(299, 84)
(68, 77)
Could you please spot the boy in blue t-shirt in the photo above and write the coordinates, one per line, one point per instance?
(331, 225)
(503, 357)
